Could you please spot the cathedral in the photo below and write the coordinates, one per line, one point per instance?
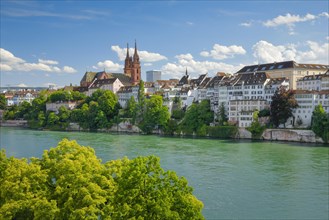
(131, 75)
(132, 67)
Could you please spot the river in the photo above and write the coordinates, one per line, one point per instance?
(234, 179)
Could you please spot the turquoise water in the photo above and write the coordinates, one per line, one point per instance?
(234, 179)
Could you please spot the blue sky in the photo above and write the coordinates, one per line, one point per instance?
(55, 42)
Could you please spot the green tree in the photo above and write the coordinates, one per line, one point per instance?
(70, 182)
(196, 116)
(171, 127)
(178, 114)
(24, 110)
(264, 113)
(11, 112)
(60, 96)
(141, 102)
(96, 117)
(131, 109)
(283, 102)
(77, 96)
(3, 101)
(24, 192)
(108, 103)
(222, 115)
(320, 122)
(52, 120)
(190, 121)
(256, 128)
(156, 115)
(148, 192)
(64, 117)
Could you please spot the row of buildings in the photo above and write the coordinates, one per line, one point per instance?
(249, 89)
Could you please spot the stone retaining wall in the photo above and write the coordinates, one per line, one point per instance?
(291, 135)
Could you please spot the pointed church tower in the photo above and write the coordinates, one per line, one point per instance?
(128, 63)
(136, 68)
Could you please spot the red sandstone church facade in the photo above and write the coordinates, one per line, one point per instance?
(132, 67)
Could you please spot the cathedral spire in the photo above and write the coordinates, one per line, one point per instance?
(186, 72)
(127, 57)
(136, 57)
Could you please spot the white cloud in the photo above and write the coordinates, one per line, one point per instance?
(246, 24)
(189, 23)
(266, 52)
(21, 85)
(49, 62)
(57, 69)
(5, 67)
(68, 69)
(148, 64)
(109, 66)
(195, 68)
(9, 62)
(324, 14)
(144, 56)
(49, 84)
(327, 37)
(9, 58)
(288, 20)
(220, 52)
(187, 56)
(316, 53)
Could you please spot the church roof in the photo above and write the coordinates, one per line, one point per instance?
(90, 76)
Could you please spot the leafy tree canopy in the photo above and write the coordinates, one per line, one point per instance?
(196, 116)
(70, 182)
(320, 122)
(60, 96)
(155, 114)
(3, 101)
(283, 102)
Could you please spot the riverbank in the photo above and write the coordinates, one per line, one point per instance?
(14, 123)
(290, 135)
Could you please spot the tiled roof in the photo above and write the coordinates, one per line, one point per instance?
(198, 81)
(125, 89)
(313, 77)
(280, 65)
(125, 80)
(251, 78)
(215, 81)
(171, 82)
(184, 80)
(276, 81)
(90, 76)
(100, 82)
(148, 84)
(205, 82)
(80, 89)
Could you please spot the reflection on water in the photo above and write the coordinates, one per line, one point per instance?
(240, 180)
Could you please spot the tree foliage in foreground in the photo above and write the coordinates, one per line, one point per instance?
(70, 182)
